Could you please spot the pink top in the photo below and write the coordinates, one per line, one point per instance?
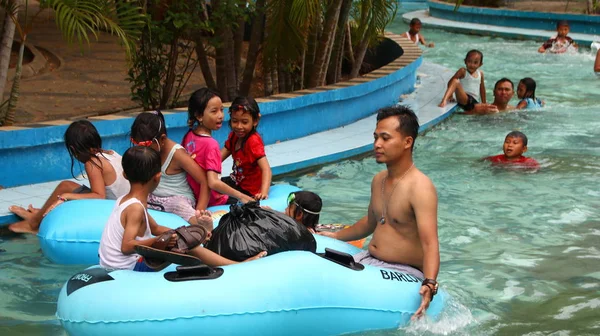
(208, 156)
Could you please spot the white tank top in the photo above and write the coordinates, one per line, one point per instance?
(408, 37)
(472, 84)
(109, 252)
(172, 185)
(120, 187)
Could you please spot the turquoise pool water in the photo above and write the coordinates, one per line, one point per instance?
(519, 251)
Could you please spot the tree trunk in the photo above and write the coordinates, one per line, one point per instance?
(338, 43)
(359, 56)
(232, 82)
(238, 41)
(311, 49)
(253, 48)
(14, 92)
(317, 75)
(221, 75)
(171, 74)
(8, 34)
(275, 80)
(204, 64)
(348, 42)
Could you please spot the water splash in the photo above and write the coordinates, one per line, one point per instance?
(455, 319)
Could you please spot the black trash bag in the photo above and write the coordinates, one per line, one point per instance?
(249, 229)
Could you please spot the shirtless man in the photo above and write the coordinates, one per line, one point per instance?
(402, 214)
(504, 90)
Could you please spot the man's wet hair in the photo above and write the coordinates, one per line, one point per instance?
(562, 23)
(415, 21)
(140, 164)
(474, 51)
(407, 120)
(519, 135)
(502, 80)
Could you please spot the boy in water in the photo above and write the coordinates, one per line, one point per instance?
(130, 224)
(561, 42)
(515, 144)
(467, 83)
(413, 33)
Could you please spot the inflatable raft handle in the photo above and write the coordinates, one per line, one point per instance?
(195, 272)
(342, 258)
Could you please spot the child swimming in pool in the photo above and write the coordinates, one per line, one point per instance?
(515, 144)
(560, 43)
(526, 92)
(467, 83)
(305, 208)
(102, 169)
(130, 225)
(413, 33)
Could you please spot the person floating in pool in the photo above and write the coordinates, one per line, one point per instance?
(402, 214)
(526, 92)
(467, 84)
(413, 33)
(515, 144)
(560, 43)
(504, 90)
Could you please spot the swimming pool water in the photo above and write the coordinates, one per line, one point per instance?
(520, 252)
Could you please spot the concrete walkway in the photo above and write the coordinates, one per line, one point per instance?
(489, 30)
(287, 156)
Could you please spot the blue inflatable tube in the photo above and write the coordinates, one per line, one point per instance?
(70, 234)
(290, 293)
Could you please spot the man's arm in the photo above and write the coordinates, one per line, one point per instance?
(483, 109)
(424, 205)
(482, 88)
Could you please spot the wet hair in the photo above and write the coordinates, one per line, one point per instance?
(415, 21)
(249, 105)
(502, 80)
(83, 142)
(519, 135)
(197, 104)
(529, 87)
(308, 201)
(407, 120)
(562, 23)
(148, 126)
(140, 164)
(474, 51)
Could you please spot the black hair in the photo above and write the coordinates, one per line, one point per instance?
(197, 104)
(529, 86)
(407, 120)
(83, 142)
(502, 80)
(474, 51)
(249, 105)
(306, 200)
(140, 164)
(562, 23)
(148, 126)
(517, 134)
(415, 21)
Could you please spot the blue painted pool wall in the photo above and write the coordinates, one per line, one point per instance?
(38, 155)
(578, 23)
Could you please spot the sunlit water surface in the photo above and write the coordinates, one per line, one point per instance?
(520, 252)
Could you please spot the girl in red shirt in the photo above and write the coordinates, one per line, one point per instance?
(251, 173)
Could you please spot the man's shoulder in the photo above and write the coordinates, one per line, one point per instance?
(420, 180)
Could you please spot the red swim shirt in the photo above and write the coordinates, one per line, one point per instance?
(245, 172)
(523, 161)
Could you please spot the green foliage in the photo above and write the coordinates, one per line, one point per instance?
(165, 58)
(369, 19)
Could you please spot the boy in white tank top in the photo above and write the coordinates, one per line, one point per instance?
(130, 224)
(467, 83)
(413, 33)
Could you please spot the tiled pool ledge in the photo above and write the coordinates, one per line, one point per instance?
(287, 156)
(442, 16)
(37, 151)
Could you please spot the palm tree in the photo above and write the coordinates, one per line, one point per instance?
(78, 20)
